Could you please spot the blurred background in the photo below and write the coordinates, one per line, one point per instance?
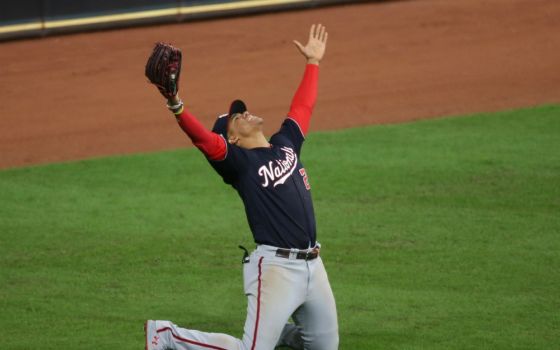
(42, 17)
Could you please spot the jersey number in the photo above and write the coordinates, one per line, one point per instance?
(305, 179)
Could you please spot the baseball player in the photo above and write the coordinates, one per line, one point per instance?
(284, 276)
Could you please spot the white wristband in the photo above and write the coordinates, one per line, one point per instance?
(177, 108)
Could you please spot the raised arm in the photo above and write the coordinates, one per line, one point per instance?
(306, 94)
(163, 70)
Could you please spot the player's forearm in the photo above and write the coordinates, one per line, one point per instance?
(209, 143)
(305, 97)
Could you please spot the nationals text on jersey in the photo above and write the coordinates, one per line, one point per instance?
(281, 171)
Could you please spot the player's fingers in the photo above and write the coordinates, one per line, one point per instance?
(325, 37)
(321, 32)
(311, 31)
(298, 45)
(322, 37)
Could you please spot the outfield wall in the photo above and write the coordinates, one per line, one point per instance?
(29, 18)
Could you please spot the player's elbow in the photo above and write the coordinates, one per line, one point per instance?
(213, 152)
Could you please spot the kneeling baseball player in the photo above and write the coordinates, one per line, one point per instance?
(284, 276)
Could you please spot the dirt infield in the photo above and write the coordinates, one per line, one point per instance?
(85, 95)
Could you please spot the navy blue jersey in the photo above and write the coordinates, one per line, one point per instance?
(274, 188)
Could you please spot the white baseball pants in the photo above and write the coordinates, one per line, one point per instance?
(277, 288)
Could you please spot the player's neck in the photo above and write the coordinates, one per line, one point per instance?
(254, 141)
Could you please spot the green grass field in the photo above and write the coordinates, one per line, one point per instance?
(440, 234)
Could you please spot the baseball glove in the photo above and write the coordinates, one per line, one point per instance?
(163, 69)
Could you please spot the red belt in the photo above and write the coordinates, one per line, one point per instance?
(309, 254)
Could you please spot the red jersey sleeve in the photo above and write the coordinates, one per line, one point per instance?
(305, 97)
(211, 144)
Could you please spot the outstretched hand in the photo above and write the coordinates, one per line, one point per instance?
(314, 50)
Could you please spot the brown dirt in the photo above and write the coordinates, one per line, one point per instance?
(85, 95)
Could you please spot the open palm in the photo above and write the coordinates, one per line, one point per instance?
(314, 50)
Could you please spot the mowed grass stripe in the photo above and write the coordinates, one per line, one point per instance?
(439, 234)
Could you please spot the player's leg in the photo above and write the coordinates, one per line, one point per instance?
(268, 309)
(274, 292)
(164, 335)
(317, 316)
(275, 287)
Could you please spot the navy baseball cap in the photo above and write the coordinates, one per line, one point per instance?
(220, 126)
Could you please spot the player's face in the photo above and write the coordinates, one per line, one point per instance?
(244, 125)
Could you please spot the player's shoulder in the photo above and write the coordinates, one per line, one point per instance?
(291, 123)
(288, 134)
